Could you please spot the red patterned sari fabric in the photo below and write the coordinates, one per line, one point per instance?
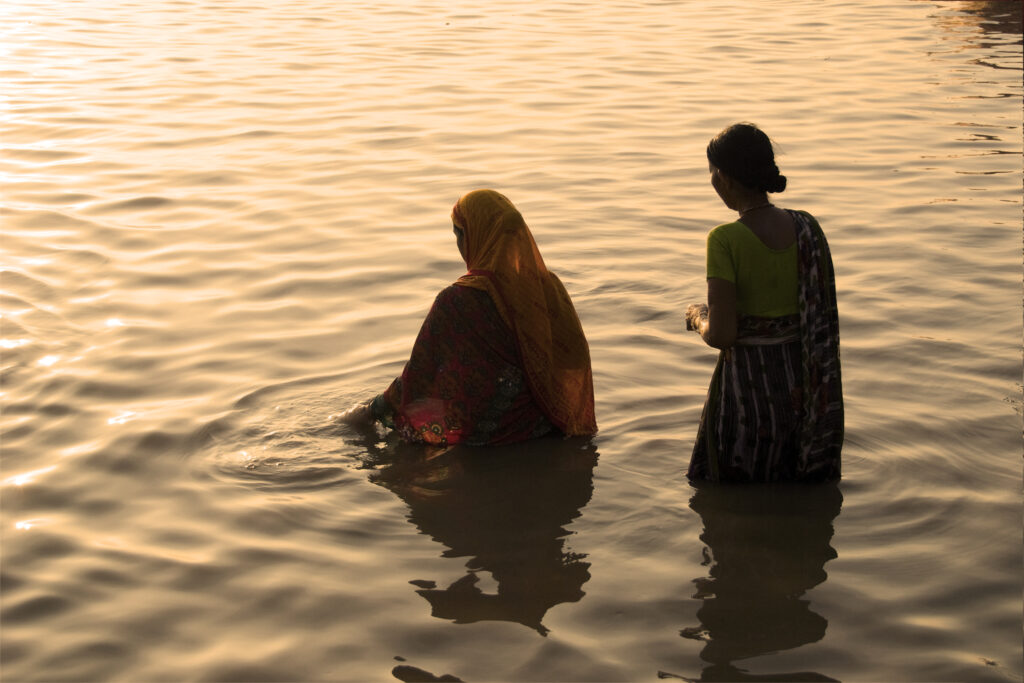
(501, 356)
(463, 383)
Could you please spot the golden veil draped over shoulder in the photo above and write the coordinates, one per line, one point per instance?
(503, 260)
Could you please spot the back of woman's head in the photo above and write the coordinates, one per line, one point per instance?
(480, 209)
(744, 152)
(495, 233)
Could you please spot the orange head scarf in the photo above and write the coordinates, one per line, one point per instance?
(503, 260)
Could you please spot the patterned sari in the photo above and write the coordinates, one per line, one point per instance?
(501, 356)
(774, 410)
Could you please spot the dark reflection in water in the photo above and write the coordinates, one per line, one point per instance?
(505, 509)
(995, 16)
(766, 546)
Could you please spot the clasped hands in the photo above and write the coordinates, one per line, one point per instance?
(695, 314)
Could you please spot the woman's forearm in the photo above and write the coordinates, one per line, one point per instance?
(700, 318)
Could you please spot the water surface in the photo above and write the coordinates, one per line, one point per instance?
(223, 224)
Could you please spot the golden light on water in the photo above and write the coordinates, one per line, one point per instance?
(26, 524)
(27, 477)
(223, 224)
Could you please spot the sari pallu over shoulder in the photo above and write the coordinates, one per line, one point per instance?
(503, 260)
(822, 425)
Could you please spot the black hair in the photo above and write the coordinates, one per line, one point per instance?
(745, 153)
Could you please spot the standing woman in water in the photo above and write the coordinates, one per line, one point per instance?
(774, 409)
(501, 356)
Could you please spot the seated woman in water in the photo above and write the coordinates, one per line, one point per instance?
(774, 409)
(501, 356)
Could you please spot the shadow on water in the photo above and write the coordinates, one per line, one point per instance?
(765, 547)
(506, 509)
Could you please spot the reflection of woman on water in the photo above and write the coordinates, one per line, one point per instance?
(501, 356)
(774, 409)
(766, 547)
(506, 510)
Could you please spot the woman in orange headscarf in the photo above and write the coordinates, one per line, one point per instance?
(501, 356)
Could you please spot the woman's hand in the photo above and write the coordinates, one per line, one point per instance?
(715, 321)
(695, 314)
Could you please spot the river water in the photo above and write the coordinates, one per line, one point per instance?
(223, 223)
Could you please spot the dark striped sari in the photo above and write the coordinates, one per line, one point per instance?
(774, 410)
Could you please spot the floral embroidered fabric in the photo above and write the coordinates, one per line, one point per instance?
(463, 382)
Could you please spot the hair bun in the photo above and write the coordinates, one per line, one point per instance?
(778, 184)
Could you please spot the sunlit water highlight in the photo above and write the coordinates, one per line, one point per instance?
(224, 222)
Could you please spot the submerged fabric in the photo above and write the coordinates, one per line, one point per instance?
(775, 406)
(503, 261)
(765, 278)
(463, 383)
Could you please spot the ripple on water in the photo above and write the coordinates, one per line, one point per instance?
(130, 205)
(282, 438)
(36, 608)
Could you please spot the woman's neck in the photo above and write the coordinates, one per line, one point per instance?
(748, 203)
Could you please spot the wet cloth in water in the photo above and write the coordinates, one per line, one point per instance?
(774, 409)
